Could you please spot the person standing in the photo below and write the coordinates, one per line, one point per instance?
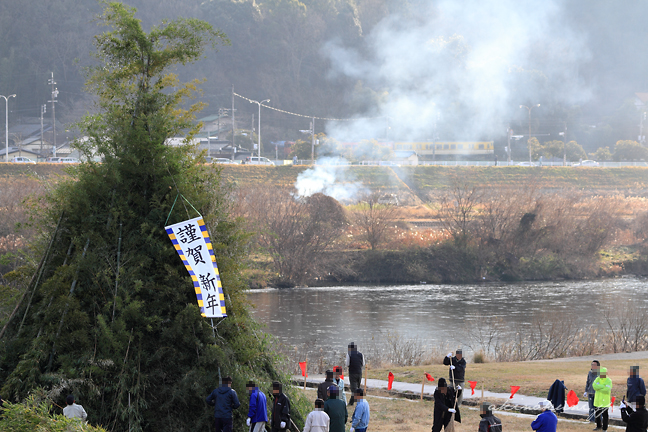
(72, 410)
(258, 412)
(488, 423)
(224, 400)
(360, 417)
(546, 420)
(443, 408)
(636, 386)
(457, 372)
(637, 420)
(317, 420)
(339, 382)
(280, 409)
(355, 361)
(589, 390)
(603, 388)
(323, 387)
(336, 410)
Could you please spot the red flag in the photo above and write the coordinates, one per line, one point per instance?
(514, 389)
(429, 377)
(612, 404)
(390, 381)
(472, 386)
(302, 366)
(572, 398)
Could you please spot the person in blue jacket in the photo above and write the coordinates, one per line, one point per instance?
(258, 412)
(224, 400)
(546, 420)
(636, 386)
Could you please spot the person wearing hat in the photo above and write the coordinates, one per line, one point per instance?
(355, 361)
(317, 420)
(637, 420)
(280, 420)
(546, 420)
(224, 400)
(488, 423)
(258, 411)
(72, 410)
(636, 386)
(323, 387)
(444, 406)
(336, 410)
(339, 382)
(603, 388)
(457, 372)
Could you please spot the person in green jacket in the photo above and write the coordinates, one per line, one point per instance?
(603, 388)
(336, 410)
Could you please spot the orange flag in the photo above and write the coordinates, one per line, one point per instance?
(429, 377)
(572, 398)
(514, 390)
(472, 386)
(302, 366)
(390, 381)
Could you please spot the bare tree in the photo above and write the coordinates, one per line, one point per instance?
(458, 208)
(373, 219)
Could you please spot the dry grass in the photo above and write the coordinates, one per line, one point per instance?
(534, 377)
(391, 415)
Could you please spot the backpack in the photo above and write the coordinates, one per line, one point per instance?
(494, 424)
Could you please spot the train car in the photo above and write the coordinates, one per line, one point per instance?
(442, 148)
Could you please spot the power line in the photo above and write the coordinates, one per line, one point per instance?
(308, 116)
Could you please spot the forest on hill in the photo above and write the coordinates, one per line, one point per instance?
(418, 68)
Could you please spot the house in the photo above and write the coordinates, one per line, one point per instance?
(405, 157)
(18, 152)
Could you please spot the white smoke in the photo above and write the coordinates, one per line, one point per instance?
(330, 177)
(465, 64)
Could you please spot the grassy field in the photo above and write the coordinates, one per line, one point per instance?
(403, 415)
(534, 377)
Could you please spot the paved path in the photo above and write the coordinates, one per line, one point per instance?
(530, 402)
(637, 355)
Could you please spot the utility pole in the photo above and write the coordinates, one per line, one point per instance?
(642, 137)
(529, 139)
(564, 135)
(509, 132)
(6, 98)
(43, 111)
(55, 93)
(313, 141)
(233, 120)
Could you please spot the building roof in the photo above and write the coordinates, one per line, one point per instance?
(643, 98)
(404, 154)
(13, 150)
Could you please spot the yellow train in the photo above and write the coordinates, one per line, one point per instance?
(447, 148)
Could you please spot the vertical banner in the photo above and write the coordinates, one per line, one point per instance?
(191, 240)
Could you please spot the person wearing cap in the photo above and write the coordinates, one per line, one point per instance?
(73, 410)
(323, 387)
(280, 420)
(546, 420)
(636, 386)
(457, 372)
(317, 420)
(258, 412)
(336, 410)
(488, 422)
(637, 420)
(443, 406)
(360, 417)
(589, 391)
(603, 388)
(224, 400)
(339, 382)
(355, 361)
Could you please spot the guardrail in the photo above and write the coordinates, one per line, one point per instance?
(464, 163)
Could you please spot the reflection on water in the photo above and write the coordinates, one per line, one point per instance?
(332, 317)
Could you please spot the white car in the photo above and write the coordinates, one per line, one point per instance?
(21, 160)
(224, 161)
(53, 159)
(586, 163)
(255, 160)
(68, 160)
(526, 164)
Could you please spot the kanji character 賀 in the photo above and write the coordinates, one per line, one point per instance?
(196, 254)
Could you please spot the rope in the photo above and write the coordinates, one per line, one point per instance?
(174, 203)
(307, 116)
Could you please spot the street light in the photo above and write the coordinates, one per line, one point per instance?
(259, 131)
(529, 109)
(6, 98)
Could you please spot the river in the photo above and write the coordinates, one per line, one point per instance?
(437, 315)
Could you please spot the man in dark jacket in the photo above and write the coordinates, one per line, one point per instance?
(636, 386)
(355, 361)
(637, 420)
(280, 409)
(443, 406)
(488, 423)
(457, 372)
(224, 400)
(258, 412)
(589, 390)
(336, 410)
(322, 389)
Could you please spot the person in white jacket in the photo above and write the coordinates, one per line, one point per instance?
(317, 420)
(72, 410)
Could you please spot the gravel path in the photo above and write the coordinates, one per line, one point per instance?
(637, 355)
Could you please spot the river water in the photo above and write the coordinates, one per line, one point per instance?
(437, 315)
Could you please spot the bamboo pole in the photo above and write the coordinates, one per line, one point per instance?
(481, 401)
(365, 385)
(450, 427)
(305, 373)
(423, 386)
